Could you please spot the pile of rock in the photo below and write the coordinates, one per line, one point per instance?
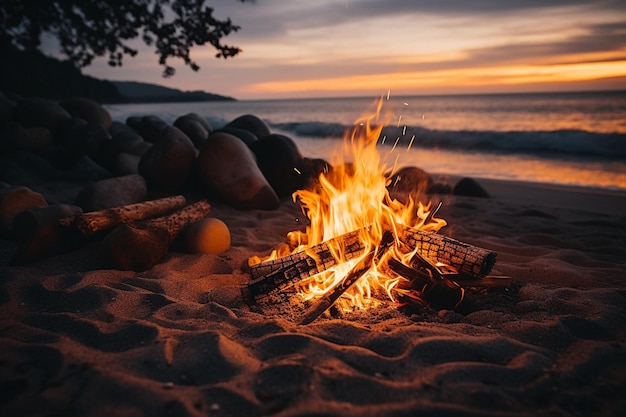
(58, 159)
(242, 163)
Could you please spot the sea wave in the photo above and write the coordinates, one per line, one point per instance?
(574, 143)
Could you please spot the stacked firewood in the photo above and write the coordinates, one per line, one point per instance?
(431, 276)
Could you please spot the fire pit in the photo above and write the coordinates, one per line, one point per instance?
(362, 246)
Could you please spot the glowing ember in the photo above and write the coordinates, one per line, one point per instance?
(353, 197)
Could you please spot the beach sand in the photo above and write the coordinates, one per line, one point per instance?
(78, 339)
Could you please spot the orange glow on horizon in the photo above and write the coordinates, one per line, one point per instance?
(460, 77)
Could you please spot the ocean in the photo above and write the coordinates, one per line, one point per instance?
(557, 138)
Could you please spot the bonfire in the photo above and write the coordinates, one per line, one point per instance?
(361, 245)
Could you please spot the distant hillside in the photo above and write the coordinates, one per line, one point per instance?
(32, 73)
(138, 92)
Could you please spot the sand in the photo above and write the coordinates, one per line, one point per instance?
(78, 339)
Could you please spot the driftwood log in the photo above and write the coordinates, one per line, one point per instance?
(138, 246)
(60, 235)
(95, 221)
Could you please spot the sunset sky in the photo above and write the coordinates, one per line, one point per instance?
(325, 48)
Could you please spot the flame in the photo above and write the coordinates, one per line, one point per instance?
(352, 196)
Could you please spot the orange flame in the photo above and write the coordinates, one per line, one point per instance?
(353, 196)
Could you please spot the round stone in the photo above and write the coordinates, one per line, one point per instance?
(252, 124)
(208, 235)
(88, 110)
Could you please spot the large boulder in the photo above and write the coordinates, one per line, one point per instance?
(40, 112)
(168, 164)
(252, 124)
(124, 141)
(469, 187)
(195, 127)
(149, 127)
(88, 110)
(245, 135)
(78, 138)
(112, 192)
(15, 136)
(412, 180)
(227, 167)
(280, 161)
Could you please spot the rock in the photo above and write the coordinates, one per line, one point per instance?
(150, 127)
(312, 168)
(12, 172)
(191, 124)
(7, 106)
(33, 139)
(227, 167)
(125, 164)
(85, 169)
(38, 168)
(88, 110)
(204, 122)
(134, 122)
(127, 139)
(40, 112)
(410, 179)
(29, 221)
(112, 192)
(124, 140)
(14, 200)
(168, 164)
(469, 187)
(209, 235)
(76, 139)
(252, 124)
(280, 161)
(246, 136)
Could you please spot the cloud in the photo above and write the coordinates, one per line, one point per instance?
(275, 18)
(296, 40)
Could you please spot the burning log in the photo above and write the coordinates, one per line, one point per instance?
(465, 258)
(139, 245)
(428, 286)
(95, 221)
(353, 276)
(272, 276)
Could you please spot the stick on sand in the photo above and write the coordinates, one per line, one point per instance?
(139, 245)
(90, 223)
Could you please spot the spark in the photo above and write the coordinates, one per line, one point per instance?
(410, 143)
(399, 120)
(388, 93)
(404, 131)
(396, 143)
(298, 171)
(382, 142)
(405, 103)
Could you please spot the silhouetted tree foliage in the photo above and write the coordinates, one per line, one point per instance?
(90, 28)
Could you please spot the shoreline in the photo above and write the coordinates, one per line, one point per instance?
(579, 197)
